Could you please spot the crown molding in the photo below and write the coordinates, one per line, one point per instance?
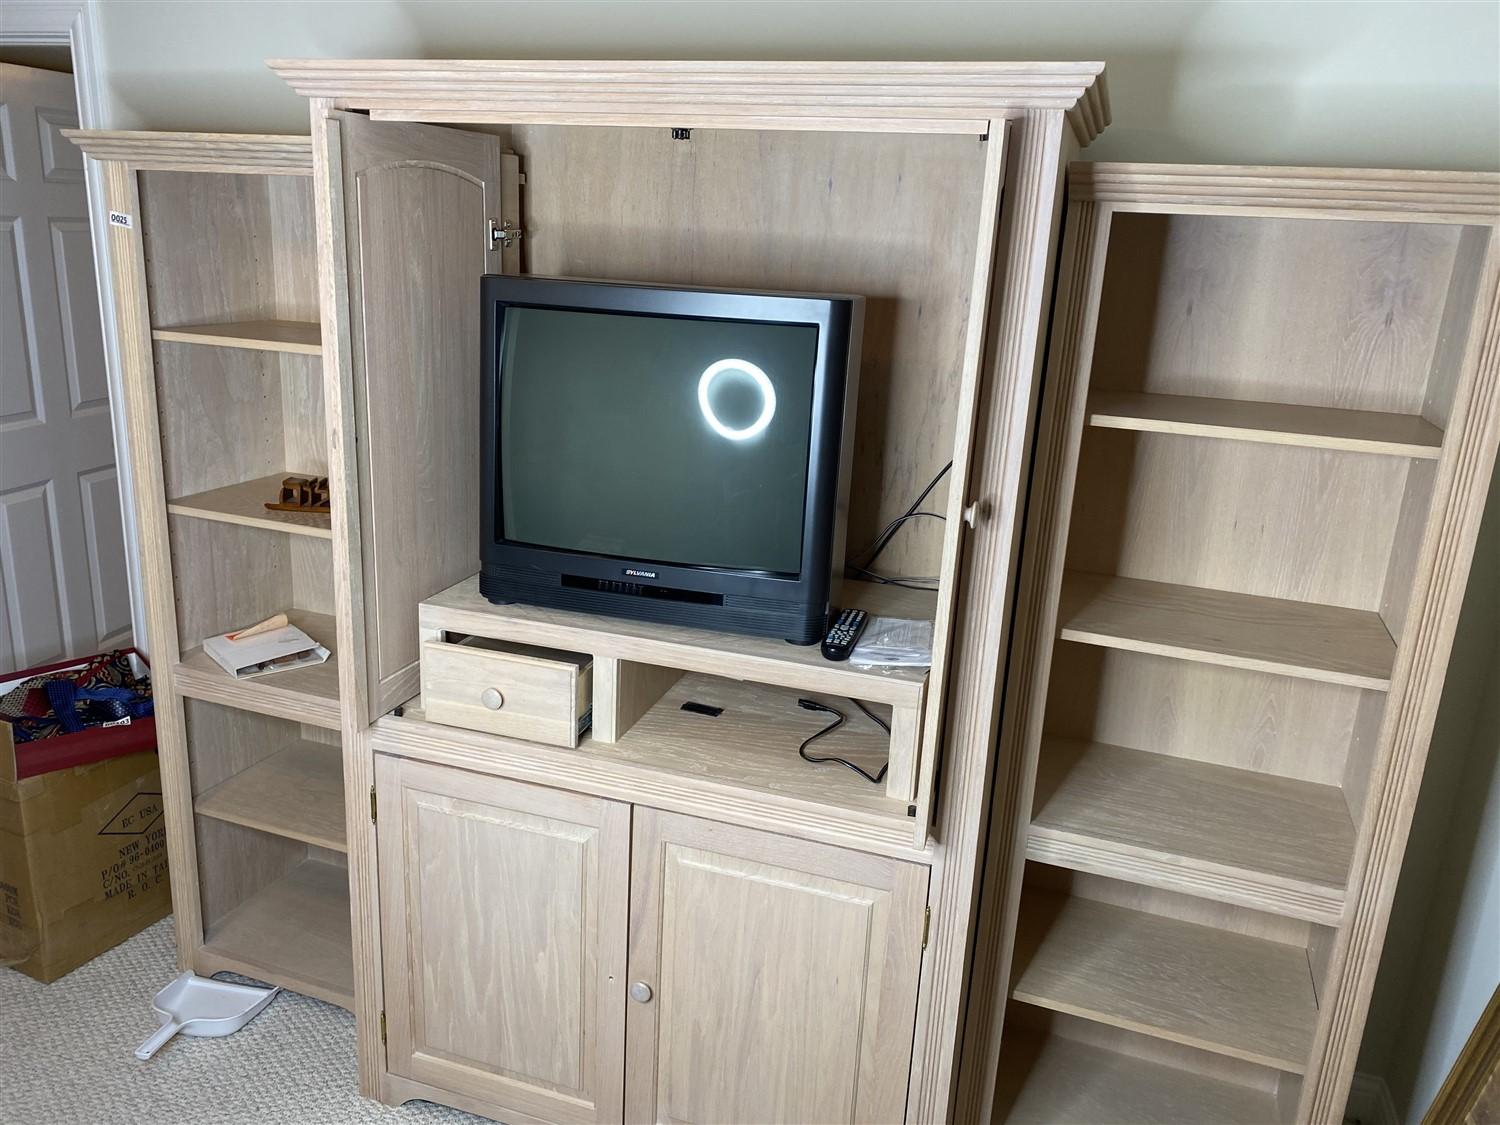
(1439, 196)
(887, 96)
(264, 154)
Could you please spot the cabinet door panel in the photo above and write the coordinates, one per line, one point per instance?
(782, 974)
(504, 940)
(417, 203)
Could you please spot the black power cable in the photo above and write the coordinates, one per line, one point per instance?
(882, 541)
(867, 558)
(838, 721)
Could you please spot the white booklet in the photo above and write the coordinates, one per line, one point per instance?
(276, 650)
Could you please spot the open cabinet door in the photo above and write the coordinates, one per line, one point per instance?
(418, 201)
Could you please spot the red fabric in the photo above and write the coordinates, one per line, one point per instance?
(36, 703)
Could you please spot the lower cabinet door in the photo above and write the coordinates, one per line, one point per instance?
(771, 979)
(503, 910)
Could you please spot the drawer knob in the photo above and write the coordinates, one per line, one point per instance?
(492, 699)
(640, 992)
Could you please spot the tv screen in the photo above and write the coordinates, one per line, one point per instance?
(661, 438)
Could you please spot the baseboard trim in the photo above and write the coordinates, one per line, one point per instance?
(1370, 1102)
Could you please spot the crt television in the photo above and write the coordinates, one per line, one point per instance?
(667, 454)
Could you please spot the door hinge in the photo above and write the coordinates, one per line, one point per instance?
(926, 926)
(503, 234)
(372, 804)
(382, 1025)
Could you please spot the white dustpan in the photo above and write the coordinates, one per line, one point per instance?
(196, 1005)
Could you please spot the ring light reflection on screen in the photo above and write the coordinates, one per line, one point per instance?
(767, 393)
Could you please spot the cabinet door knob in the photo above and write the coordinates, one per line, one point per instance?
(492, 699)
(640, 992)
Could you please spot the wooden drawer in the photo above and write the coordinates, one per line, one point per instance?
(539, 694)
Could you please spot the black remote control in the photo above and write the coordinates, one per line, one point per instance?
(845, 630)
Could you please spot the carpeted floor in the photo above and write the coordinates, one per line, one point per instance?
(67, 1055)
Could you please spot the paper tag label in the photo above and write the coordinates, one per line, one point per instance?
(121, 219)
(125, 722)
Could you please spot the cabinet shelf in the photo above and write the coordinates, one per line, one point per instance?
(744, 762)
(1050, 1079)
(1234, 835)
(245, 504)
(754, 745)
(1219, 991)
(294, 336)
(1314, 642)
(306, 695)
(644, 672)
(1273, 423)
(761, 659)
(293, 932)
(297, 792)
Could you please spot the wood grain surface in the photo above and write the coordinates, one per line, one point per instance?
(1315, 642)
(297, 792)
(1057, 1079)
(294, 933)
(245, 504)
(255, 335)
(1228, 993)
(1276, 423)
(268, 154)
(1229, 834)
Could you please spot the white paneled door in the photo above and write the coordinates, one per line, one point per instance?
(63, 585)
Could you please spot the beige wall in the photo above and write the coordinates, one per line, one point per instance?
(1442, 956)
(1355, 84)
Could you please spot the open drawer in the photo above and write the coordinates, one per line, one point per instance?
(522, 691)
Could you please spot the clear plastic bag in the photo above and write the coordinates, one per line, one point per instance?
(894, 642)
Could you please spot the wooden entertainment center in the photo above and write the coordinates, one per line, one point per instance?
(672, 916)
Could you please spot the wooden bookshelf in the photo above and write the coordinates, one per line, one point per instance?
(293, 932)
(297, 792)
(215, 286)
(308, 695)
(245, 504)
(1049, 1079)
(1315, 642)
(295, 337)
(1235, 835)
(1246, 543)
(1275, 423)
(1200, 986)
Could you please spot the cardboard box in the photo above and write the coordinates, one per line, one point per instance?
(83, 845)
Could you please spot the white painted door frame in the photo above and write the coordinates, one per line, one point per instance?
(74, 24)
